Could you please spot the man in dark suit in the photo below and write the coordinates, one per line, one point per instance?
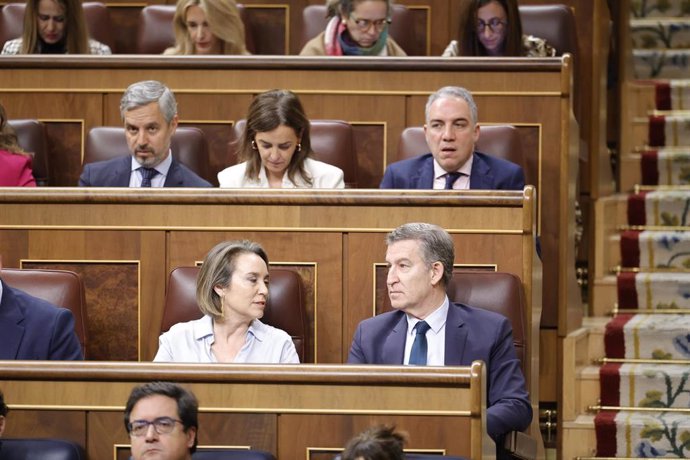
(149, 111)
(451, 131)
(31, 328)
(426, 328)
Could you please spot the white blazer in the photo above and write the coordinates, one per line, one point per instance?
(322, 174)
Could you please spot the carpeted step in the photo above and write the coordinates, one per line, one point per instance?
(669, 130)
(672, 94)
(648, 336)
(645, 385)
(653, 291)
(665, 166)
(666, 64)
(659, 8)
(655, 249)
(667, 208)
(642, 434)
(660, 33)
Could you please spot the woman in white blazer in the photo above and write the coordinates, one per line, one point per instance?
(275, 148)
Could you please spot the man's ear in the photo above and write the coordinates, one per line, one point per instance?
(191, 436)
(436, 272)
(2, 424)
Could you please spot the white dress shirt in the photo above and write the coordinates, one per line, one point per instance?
(435, 336)
(191, 342)
(461, 183)
(156, 181)
(322, 174)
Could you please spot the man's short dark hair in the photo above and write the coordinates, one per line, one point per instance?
(3, 406)
(376, 443)
(187, 405)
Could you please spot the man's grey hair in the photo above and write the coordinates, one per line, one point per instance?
(435, 242)
(143, 93)
(457, 93)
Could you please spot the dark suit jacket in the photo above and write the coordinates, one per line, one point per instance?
(116, 173)
(31, 328)
(471, 334)
(488, 173)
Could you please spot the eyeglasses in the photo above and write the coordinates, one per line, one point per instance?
(162, 425)
(494, 25)
(365, 24)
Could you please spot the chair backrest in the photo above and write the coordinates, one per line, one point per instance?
(32, 138)
(60, 287)
(213, 453)
(554, 23)
(501, 141)
(314, 22)
(498, 292)
(189, 146)
(155, 30)
(285, 308)
(96, 14)
(331, 141)
(48, 449)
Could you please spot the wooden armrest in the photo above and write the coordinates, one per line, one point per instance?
(521, 445)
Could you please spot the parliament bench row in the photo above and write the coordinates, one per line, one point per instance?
(148, 29)
(332, 141)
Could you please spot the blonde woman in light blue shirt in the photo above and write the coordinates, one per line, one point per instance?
(232, 292)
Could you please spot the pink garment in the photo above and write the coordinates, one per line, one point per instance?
(15, 170)
(334, 28)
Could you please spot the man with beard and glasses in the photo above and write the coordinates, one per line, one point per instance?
(149, 111)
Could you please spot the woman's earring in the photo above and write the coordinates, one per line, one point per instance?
(254, 146)
(299, 147)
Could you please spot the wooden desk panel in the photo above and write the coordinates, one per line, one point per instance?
(287, 410)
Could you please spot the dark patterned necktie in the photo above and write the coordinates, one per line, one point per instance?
(419, 347)
(451, 177)
(146, 175)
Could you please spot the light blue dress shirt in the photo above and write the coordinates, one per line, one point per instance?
(191, 342)
(435, 336)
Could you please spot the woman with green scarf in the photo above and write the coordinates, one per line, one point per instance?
(355, 28)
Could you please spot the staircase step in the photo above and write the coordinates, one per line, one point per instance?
(643, 336)
(660, 33)
(642, 434)
(658, 8)
(655, 249)
(653, 291)
(661, 63)
(665, 208)
(665, 166)
(671, 129)
(645, 385)
(672, 94)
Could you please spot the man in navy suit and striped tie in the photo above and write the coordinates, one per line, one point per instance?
(451, 131)
(425, 328)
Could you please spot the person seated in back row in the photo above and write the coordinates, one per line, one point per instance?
(451, 131)
(208, 27)
(54, 27)
(355, 28)
(494, 28)
(275, 148)
(15, 164)
(149, 111)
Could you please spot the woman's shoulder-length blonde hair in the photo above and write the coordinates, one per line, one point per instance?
(268, 111)
(76, 34)
(217, 269)
(224, 20)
